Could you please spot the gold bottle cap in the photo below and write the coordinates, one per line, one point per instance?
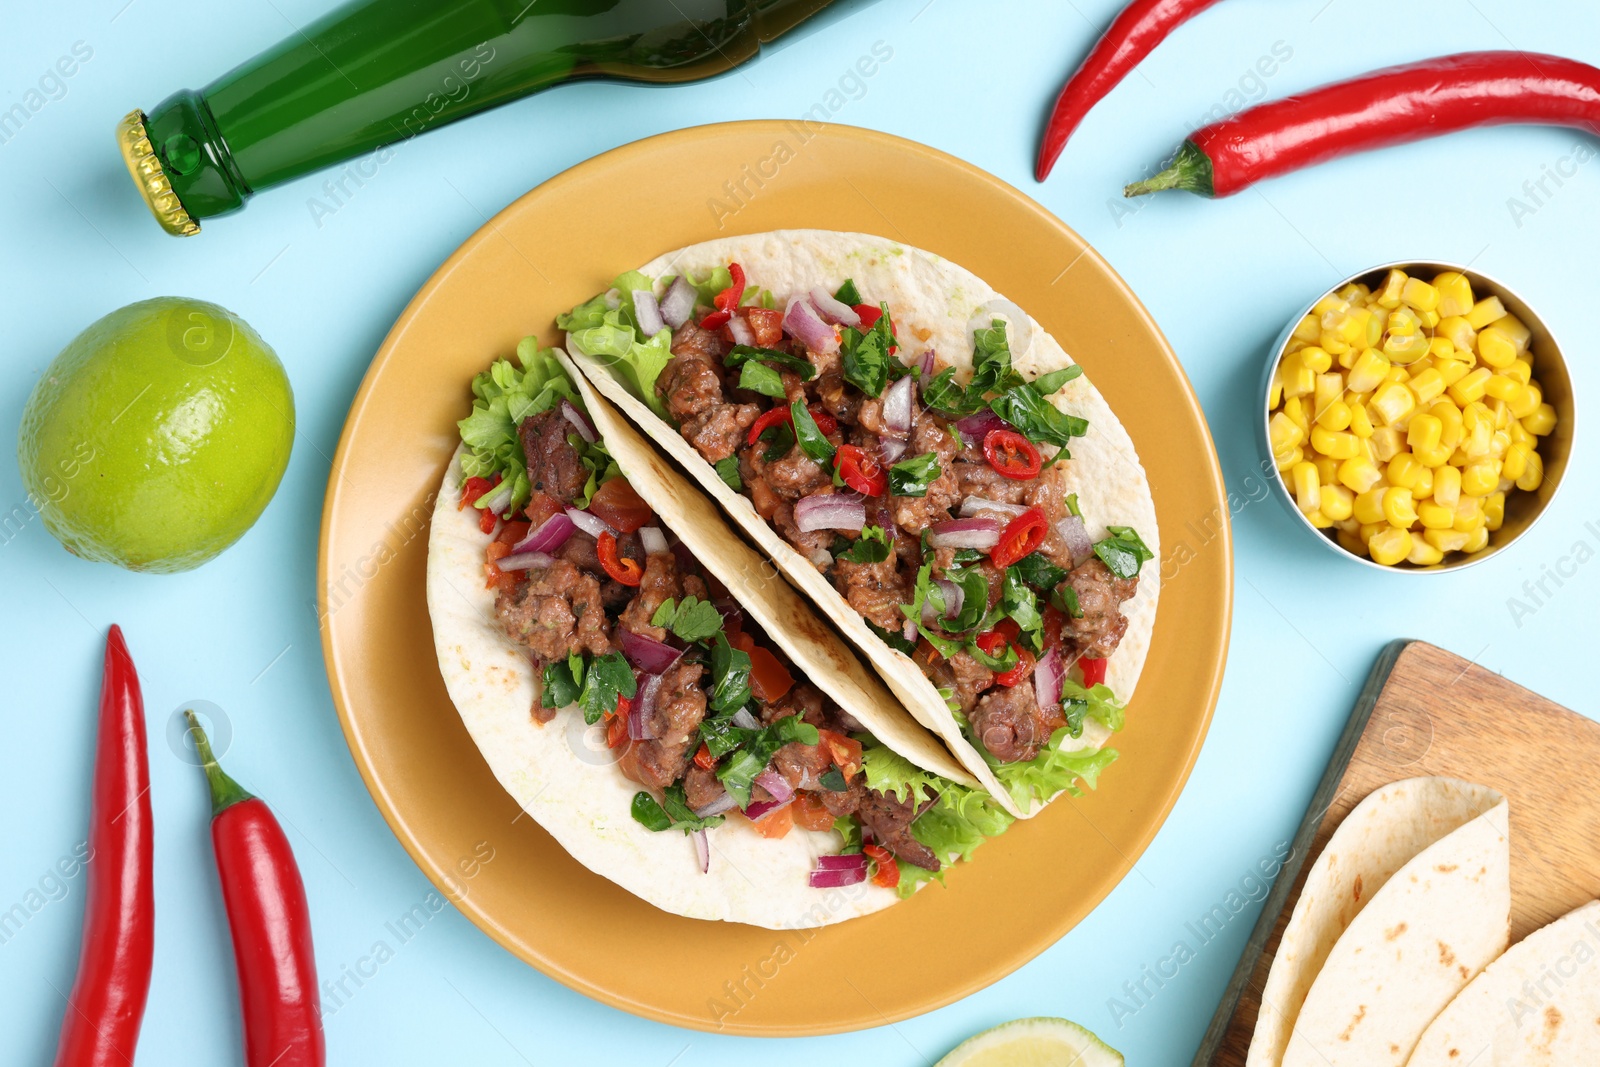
(152, 181)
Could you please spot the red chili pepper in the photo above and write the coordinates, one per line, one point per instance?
(1021, 536)
(1094, 670)
(860, 470)
(473, 488)
(888, 873)
(1392, 106)
(1012, 455)
(106, 1005)
(703, 758)
(1022, 670)
(870, 314)
(626, 571)
(994, 643)
(270, 920)
(770, 418)
(1131, 36)
(727, 301)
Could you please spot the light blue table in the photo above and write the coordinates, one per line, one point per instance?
(324, 287)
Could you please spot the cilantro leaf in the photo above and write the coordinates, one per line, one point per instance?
(913, 476)
(974, 599)
(672, 811)
(691, 620)
(871, 547)
(728, 471)
(1065, 598)
(810, 437)
(1037, 570)
(865, 356)
(607, 678)
(760, 378)
(739, 355)
(848, 293)
(560, 686)
(833, 780)
(894, 639)
(1124, 552)
(780, 438)
(991, 361)
(741, 769)
(1021, 604)
(730, 675)
(943, 394)
(1046, 384)
(1036, 418)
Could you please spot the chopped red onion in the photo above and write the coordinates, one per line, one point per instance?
(524, 561)
(966, 533)
(841, 863)
(890, 449)
(954, 597)
(677, 303)
(646, 653)
(654, 541)
(760, 809)
(840, 876)
(835, 311)
(1048, 674)
(745, 721)
(775, 783)
(741, 331)
(977, 426)
(974, 505)
(648, 312)
(1079, 543)
(909, 631)
(641, 717)
(716, 807)
(830, 511)
(702, 850)
(580, 420)
(897, 405)
(592, 525)
(926, 363)
(802, 321)
(551, 535)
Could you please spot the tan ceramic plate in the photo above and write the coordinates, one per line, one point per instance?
(559, 245)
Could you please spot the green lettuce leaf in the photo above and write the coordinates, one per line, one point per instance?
(953, 827)
(892, 774)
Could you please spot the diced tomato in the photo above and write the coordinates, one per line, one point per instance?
(742, 641)
(1020, 672)
(861, 471)
(497, 579)
(1054, 620)
(1094, 670)
(810, 813)
(617, 723)
(486, 520)
(994, 643)
(846, 751)
(773, 417)
(702, 758)
(769, 678)
(870, 314)
(626, 571)
(513, 532)
(619, 506)
(888, 872)
(473, 488)
(777, 823)
(766, 324)
(1011, 455)
(541, 507)
(1021, 536)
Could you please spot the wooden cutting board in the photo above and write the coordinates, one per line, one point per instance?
(1425, 711)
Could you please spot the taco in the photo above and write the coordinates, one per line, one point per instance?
(924, 461)
(675, 716)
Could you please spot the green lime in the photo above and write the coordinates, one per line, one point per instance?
(1042, 1042)
(157, 436)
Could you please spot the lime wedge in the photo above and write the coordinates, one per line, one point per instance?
(1041, 1042)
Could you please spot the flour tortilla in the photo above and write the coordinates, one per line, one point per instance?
(562, 773)
(1437, 922)
(1379, 836)
(924, 293)
(1536, 1006)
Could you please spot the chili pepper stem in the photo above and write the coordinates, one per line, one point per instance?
(1190, 170)
(225, 792)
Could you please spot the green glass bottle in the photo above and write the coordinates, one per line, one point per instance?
(374, 72)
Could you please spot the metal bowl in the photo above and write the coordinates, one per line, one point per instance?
(1549, 368)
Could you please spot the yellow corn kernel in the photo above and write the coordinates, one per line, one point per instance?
(1359, 474)
(1485, 311)
(1520, 433)
(1481, 477)
(1519, 335)
(1447, 486)
(1532, 474)
(1516, 461)
(1393, 402)
(1332, 345)
(1336, 416)
(1403, 322)
(1367, 529)
(1298, 379)
(1521, 371)
(1528, 401)
(1430, 319)
(1460, 333)
(1452, 371)
(1539, 422)
(1397, 373)
(1334, 444)
(1307, 330)
(1500, 387)
(1368, 507)
(1327, 305)
(1355, 293)
(1427, 385)
(1404, 470)
(1424, 486)
(1405, 348)
(1445, 540)
(1319, 520)
(1500, 410)
(1433, 458)
(1286, 461)
(1471, 387)
(1330, 387)
(1424, 432)
(1469, 514)
(1419, 294)
(1352, 543)
(1318, 360)
(1494, 510)
(1423, 554)
(1307, 487)
(1477, 540)
(1477, 423)
(1327, 468)
(1386, 443)
(1368, 371)
(1495, 348)
(1441, 348)
(1390, 546)
(1455, 292)
(1351, 327)
(1394, 284)
(1338, 503)
(1499, 445)
(1295, 409)
(1399, 507)
(1275, 389)
(1347, 358)
(1360, 422)
(1284, 432)
(1436, 516)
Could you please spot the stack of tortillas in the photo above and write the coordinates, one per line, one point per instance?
(1395, 952)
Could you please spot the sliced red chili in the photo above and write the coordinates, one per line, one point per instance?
(626, 571)
(1020, 672)
(617, 723)
(775, 417)
(825, 422)
(1094, 670)
(716, 320)
(1021, 536)
(1012, 455)
(486, 520)
(870, 315)
(861, 471)
(729, 298)
(703, 758)
(992, 642)
(888, 873)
